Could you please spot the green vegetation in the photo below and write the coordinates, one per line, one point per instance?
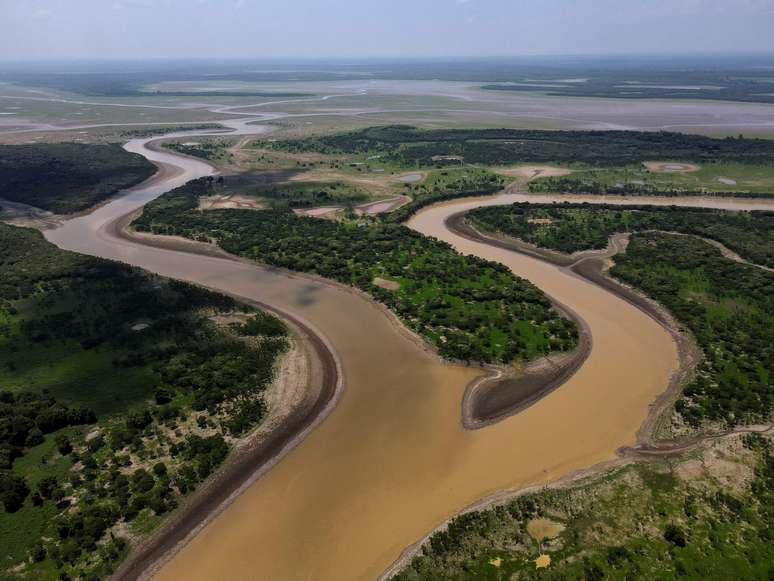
(729, 308)
(411, 147)
(447, 184)
(280, 193)
(573, 227)
(78, 331)
(726, 305)
(68, 177)
(164, 129)
(650, 521)
(469, 308)
(717, 178)
(206, 149)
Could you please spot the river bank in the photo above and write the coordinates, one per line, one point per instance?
(393, 456)
(593, 266)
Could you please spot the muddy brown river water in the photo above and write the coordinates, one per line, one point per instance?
(392, 459)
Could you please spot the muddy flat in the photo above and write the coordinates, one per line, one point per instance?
(670, 167)
(533, 171)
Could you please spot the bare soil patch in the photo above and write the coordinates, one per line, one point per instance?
(386, 284)
(411, 178)
(534, 171)
(543, 528)
(326, 212)
(670, 167)
(230, 201)
(382, 206)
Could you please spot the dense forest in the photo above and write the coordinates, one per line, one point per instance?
(68, 177)
(90, 342)
(649, 521)
(572, 227)
(729, 308)
(471, 309)
(411, 147)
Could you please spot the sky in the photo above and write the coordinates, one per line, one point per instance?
(267, 29)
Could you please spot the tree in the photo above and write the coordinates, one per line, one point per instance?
(13, 491)
(675, 535)
(63, 444)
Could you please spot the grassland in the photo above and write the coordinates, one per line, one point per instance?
(174, 373)
(68, 177)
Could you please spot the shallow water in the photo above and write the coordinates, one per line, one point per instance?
(392, 460)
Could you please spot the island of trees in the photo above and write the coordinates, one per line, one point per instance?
(470, 309)
(411, 147)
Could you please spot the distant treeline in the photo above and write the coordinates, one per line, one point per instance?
(672, 87)
(411, 146)
(68, 177)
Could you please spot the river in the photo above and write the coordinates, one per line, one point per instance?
(392, 460)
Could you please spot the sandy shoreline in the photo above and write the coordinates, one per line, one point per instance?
(542, 377)
(490, 400)
(248, 462)
(591, 267)
(235, 476)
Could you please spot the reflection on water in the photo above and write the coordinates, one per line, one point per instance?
(392, 460)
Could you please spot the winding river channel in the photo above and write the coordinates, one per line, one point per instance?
(392, 460)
